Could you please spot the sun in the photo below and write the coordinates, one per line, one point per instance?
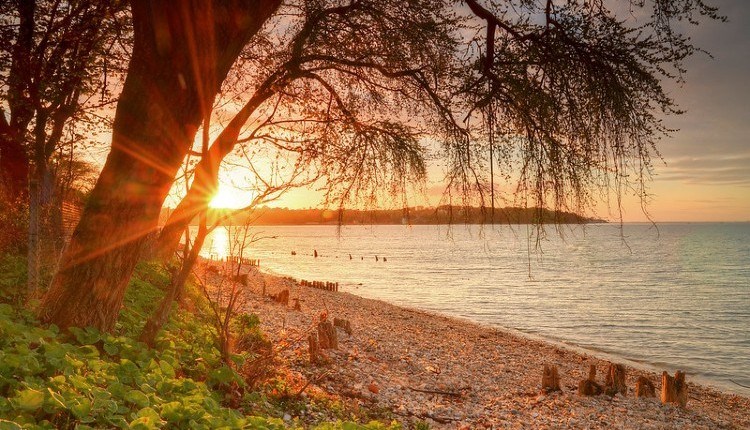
(228, 197)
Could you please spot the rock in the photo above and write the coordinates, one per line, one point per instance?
(373, 388)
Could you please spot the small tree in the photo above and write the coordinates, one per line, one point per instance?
(58, 63)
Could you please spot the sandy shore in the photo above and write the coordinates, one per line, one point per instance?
(455, 374)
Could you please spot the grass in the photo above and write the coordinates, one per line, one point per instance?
(87, 379)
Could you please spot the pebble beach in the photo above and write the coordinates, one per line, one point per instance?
(455, 374)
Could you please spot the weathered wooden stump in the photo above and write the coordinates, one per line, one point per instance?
(282, 297)
(589, 386)
(644, 387)
(674, 389)
(297, 306)
(327, 335)
(343, 324)
(550, 379)
(314, 346)
(615, 382)
(241, 279)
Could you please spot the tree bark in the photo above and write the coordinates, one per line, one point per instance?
(181, 54)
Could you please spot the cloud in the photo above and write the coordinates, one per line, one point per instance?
(727, 169)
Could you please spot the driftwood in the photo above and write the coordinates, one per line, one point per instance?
(314, 347)
(615, 382)
(550, 379)
(589, 386)
(644, 387)
(327, 335)
(674, 389)
(343, 324)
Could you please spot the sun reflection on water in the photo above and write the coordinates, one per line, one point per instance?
(217, 245)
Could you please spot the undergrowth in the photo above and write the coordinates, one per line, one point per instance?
(87, 379)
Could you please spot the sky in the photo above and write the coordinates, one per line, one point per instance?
(705, 171)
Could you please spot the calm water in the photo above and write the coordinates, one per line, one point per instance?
(674, 298)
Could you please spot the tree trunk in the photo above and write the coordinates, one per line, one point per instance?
(32, 250)
(181, 55)
(14, 163)
(160, 317)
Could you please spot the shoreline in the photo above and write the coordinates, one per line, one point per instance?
(400, 359)
(643, 365)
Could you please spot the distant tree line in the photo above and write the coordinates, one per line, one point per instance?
(412, 216)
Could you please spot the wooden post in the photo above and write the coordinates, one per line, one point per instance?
(327, 335)
(550, 379)
(615, 382)
(674, 389)
(589, 387)
(644, 388)
(312, 341)
(282, 297)
(343, 324)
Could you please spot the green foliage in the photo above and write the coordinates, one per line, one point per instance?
(88, 379)
(12, 277)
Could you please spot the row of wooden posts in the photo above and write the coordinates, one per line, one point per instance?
(327, 286)
(244, 261)
(673, 388)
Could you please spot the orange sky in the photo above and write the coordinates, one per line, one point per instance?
(707, 171)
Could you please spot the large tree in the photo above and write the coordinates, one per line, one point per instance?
(181, 54)
(568, 94)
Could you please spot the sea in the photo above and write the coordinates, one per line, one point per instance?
(661, 296)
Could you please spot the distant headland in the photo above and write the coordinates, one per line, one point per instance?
(406, 216)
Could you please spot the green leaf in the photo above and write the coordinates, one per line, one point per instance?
(167, 369)
(88, 351)
(29, 399)
(138, 398)
(6, 310)
(222, 375)
(143, 423)
(81, 409)
(111, 348)
(87, 336)
(172, 411)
